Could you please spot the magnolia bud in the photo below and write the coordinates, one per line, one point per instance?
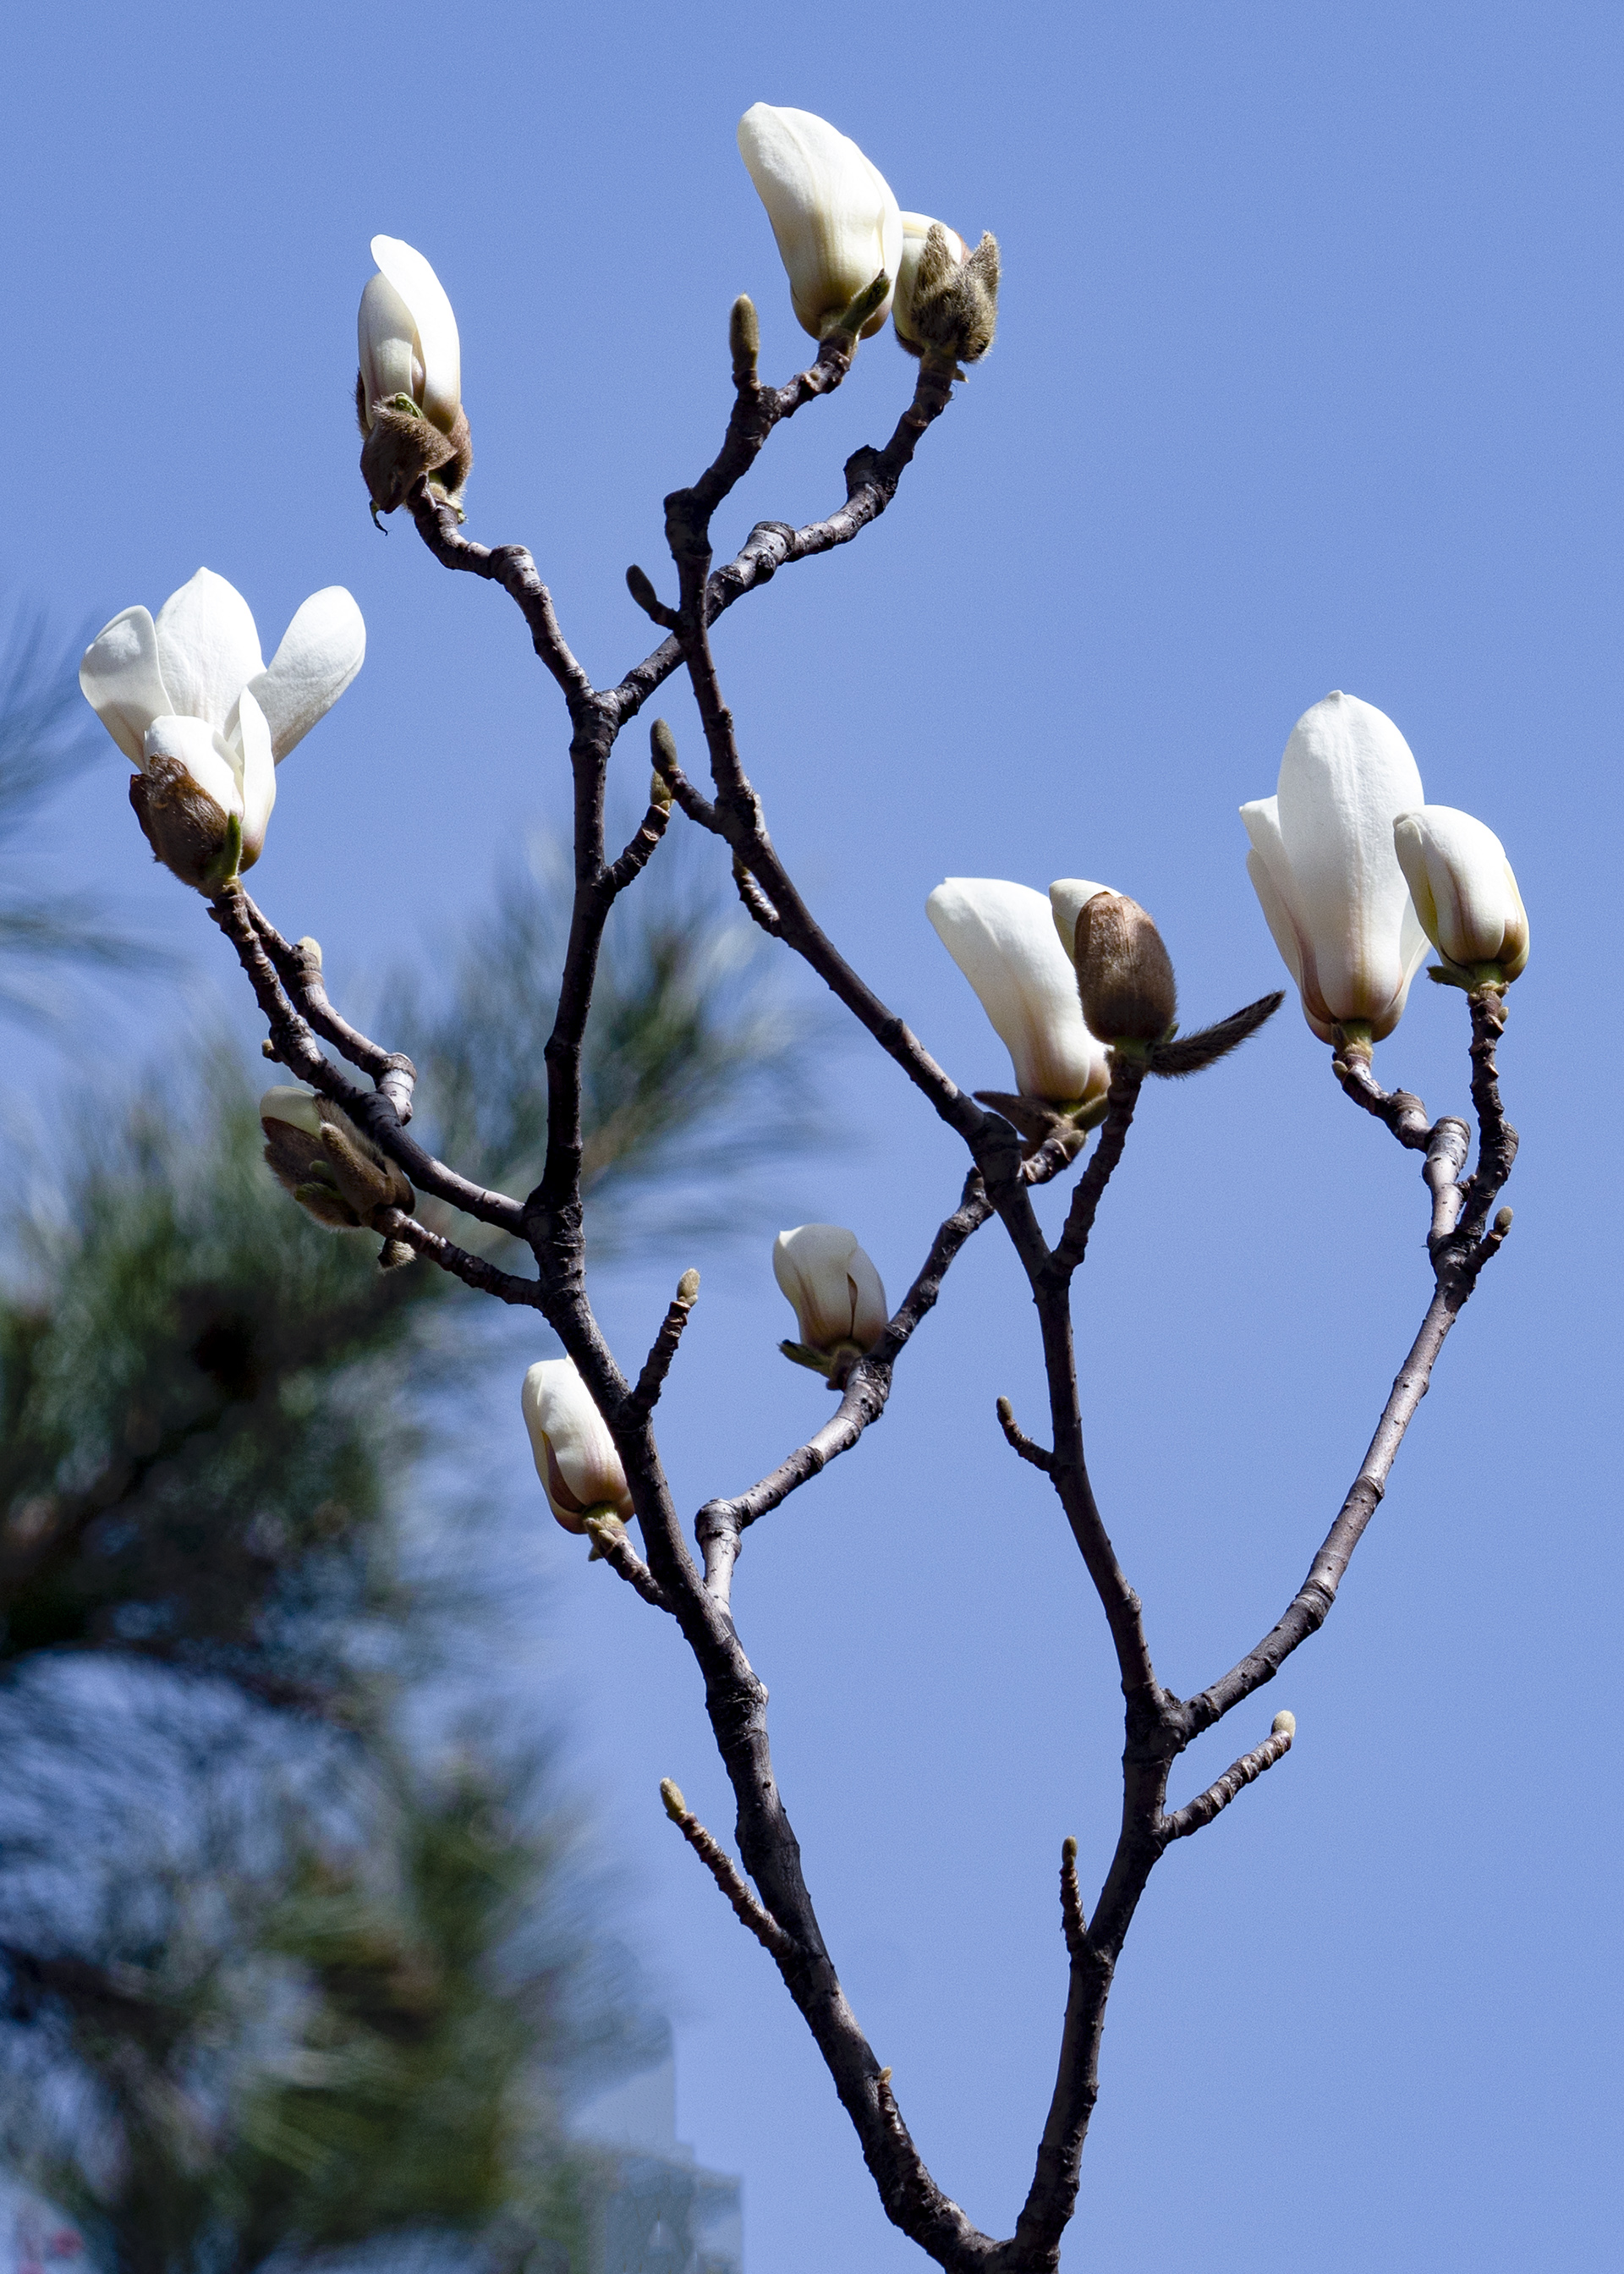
(1125, 977)
(837, 226)
(575, 1459)
(1284, 1725)
(947, 296)
(1464, 892)
(409, 390)
(334, 1170)
(839, 1301)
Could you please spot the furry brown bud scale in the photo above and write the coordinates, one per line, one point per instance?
(1125, 974)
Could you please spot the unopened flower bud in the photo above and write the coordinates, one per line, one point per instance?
(839, 1301)
(409, 390)
(575, 1459)
(1464, 892)
(671, 1793)
(947, 296)
(1002, 938)
(1284, 1725)
(334, 1170)
(1124, 976)
(837, 226)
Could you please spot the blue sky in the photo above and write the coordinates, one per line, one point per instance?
(1307, 377)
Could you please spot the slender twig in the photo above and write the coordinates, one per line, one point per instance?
(642, 1400)
(1127, 1078)
(612, 1547)
(639, 850)
(758, 907)
(473, 1270)
(1198, 1813)
(1402, 1112)
(512, 568)
(1028, 1448)
(720, 1523)
(298, 964)
(727, 1876)
(1497, 1140)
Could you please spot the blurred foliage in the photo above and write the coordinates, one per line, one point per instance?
(48, 733)
(334, 2009)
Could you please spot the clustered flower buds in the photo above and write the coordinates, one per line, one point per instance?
(1324, 868)
(837, 226)
(190, 702)
(409, 390)
(575, 1459)
(839, 1302)
(1465, 894)
(1355, 873)
(1003, 936)
(334, 1170)
(947, 296)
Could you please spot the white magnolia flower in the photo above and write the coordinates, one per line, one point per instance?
(833, 214)
(1323, 866)
(1004, 937)
(839, 1301)
(189, 701)
(575, 1459)
(915, 229)
(407, 335)
(1463, 890)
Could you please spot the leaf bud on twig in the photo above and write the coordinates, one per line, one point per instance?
(1283, 1725)
(671, 1793)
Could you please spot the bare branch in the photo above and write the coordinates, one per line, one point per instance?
(1026, 1447)
(473, 1270)
(297, 965)
(512, 568)
(639, 850)
(760, 908)
(1197, 1813)
(727, 1876)
(1402, 1112)
(652, 1381)
(1497, 1140)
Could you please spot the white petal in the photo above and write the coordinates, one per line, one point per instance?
(563, 1420)
(832, 212)
(301, 1109)
(321, 651)
(1002, 938)
(1067, 896)
(870, 1313)
(437, 342)
(813, 1266)
(253, 740)
(208, 647)
(123, 680)
(386, 343)
(1346, 775)
(1461, 884)
(193, 743)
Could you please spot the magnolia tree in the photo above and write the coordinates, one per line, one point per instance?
(1357, 874)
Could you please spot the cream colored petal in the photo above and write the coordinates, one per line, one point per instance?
(563, 1420)
(321, 651)
(1346, 776)
(386, 345)
(208, 647)
(206, 756)
(1461, 884)
(871, 1315)
(438, 341)
(813, 1265)
(253, 740)
(300, 1108)
(1067, 898)
(832, 212)
(123, 680)
(1002, 938)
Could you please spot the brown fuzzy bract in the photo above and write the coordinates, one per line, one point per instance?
(955, 307)
(186, 830)
(340, 1178)
(403, 446)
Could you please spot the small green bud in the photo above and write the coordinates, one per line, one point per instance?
(1502, 1222)
(1284, 1725)
(671, 1792)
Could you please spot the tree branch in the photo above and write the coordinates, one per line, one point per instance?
(473, 1270)
(1029, 1449)
(298, 965)
(727, 1876)
(642, 1401)
(1127, 1079)
(611, 1546)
